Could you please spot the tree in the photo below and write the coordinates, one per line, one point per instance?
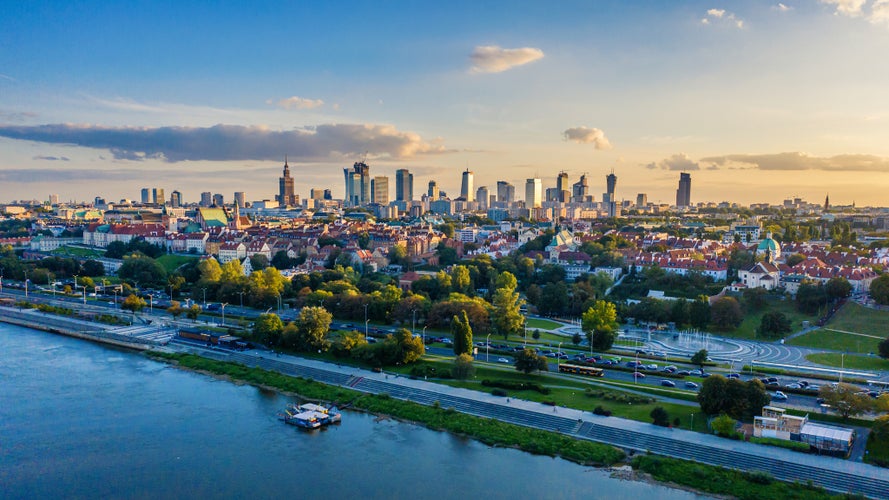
(410, 348)
(460, 280)
(879, 289)
(699, 312)
(576, 338)
(755, 298)
(268, 329)
(93, 268)
(528, 361)
(739, 400)
(133, 303)
(726, 313)
(846, 399)
(659, 416)
(506, 316)
(724, 425)
(144, 270)
(462, 334)
(884, 348)
(553, 299)
(346, 343)
(463, 367)
(794, 259)
(175, 309)
(600, 324)
(810, 297)
(193, 312)
(699, 358)
(838, 288)
(774, 324)
(312, 326)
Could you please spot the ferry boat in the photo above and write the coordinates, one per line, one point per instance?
(310, 415)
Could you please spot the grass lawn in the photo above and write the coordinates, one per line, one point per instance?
(859, 319)
(828, 339)
(77, 251)
(751, 322)
(851, 362)
(543, 324)
(172, 262)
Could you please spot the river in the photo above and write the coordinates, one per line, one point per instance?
(84, 420)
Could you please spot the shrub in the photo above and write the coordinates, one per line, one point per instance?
(499, 392)
(599, 410)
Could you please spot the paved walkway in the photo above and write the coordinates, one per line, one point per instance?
(830, 473)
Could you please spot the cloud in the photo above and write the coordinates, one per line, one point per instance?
(16, 116)
(802, 161)
(51, 158)
(782, 8)
(234, 142)
(680, 161)
(879, 12)
(585, 135)
(722, 16)
(851, 8)
(297, 103)
(494, 59)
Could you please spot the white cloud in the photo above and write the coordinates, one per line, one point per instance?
(879, 12)
(680, 161)
(802, 161)
(494, 59)
(586, 135)
(234, 142)
(297, 103)
(716, 16)
(852, 8)
(782, 7)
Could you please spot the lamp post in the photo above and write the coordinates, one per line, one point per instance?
(279, 303)
(365, 328)
(205, 297)
(592, 338)
(559, 356)
(365, 321)
(842, 365)
(115, 298)
(26, 287)
(171, 292)
(525, 326)
(242, 299)
(223, 312)
(414, 321)
(488, 348)
(84, 294)
(151, 304)
(424, 335)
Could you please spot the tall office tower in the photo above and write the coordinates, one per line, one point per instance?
(380, 189)
(218, 200)
(206, 199)
(146, 196)
(610, 183)
(581, 189)
(533, 193)
(157, 196)
(466, 186)
(328, 195)
(481, 196)
(240, 199)
(53, 199)
(641, 200)
(551, 194)
(285, 188)
(357, 184)
(175, 199)
(433, 192)
(505, 192)
(316, 194)
(683, 194)
(99, 202)
(404, 185)
(563, 187)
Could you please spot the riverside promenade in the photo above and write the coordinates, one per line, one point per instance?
(831, 473)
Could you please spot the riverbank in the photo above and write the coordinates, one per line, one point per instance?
(71, 327)
(686, 474)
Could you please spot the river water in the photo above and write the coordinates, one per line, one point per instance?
(84, 420)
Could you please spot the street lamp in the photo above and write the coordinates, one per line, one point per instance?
(26, 287)
(424, 334)
(365, 328)
(84, 294)
(205, 297)
(151, 304)
(223, 312)
(414, 322)
(488, 348)
(171, 292)
(242, 299)
(365, 321)
(559, 357)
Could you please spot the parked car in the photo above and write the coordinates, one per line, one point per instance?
(696, 373)
(779, 396)
(733, 375)
(793, 386)
(638, 375)
(683, 373)
(503, 360)
(691, 385)
(668, 383)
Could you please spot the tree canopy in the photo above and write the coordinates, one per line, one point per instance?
(462, 334)
(528, 361)
(600, 324)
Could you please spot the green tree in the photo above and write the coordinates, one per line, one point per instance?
(774, 324)
(553, 299)
(506, 316)
(528, 361)
(659, 416)
(724, 425)
(144, 270)
(346, 343)
(312, 327)
(462, 334)
(726, 313)
(879, 289)
(175, 309)
(599, 322)
(463, 367)
(699, 312)
(699, 358)
(576, 338)
(838, 288)
(739, 400)
(794, 259)
(883, 348)
(193, 312)
(410, 348)
(268, 329)
(133, 303)
(93, 268)
(846, 399)
(210, 270)
(460, 280)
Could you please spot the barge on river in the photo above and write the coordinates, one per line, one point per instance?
(310, 415)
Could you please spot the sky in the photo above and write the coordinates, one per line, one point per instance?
(758, 100)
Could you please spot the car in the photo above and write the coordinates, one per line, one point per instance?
(638, 375)
(683, 373)
(652, 367)
(733, 375)
(705, 375)
(803, 383)
(793, 386)
(819, 401)
(503, 360)
(691, 385)
(773, 380)
(813, 387)
(779, 396)
(696, 373)
(668, 383)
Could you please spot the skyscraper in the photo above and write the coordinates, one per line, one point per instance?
(218, 200)
(157, 196)
(240, 199)
(683, 194)
(641, 200)
(433, 191)
(505, 192)
(581, 189)
(146, 196)
(481, 196)
(533, 193)
(357, 184)
(53, 199)
(404, 185)
(562, 187)
(466, 186)
(206, 199)
(285, 187)
(380, 189)
(175, 199)
(610, 184)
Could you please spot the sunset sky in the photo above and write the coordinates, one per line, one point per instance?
(759, 101)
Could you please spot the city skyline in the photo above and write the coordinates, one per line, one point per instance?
(759, 101)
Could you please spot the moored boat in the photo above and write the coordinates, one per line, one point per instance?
(310, 415)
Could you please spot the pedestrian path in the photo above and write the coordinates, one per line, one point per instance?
(830, 473)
